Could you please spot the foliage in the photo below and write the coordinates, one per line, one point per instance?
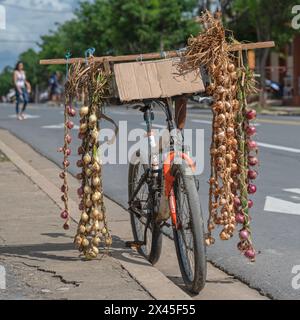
(6, 81)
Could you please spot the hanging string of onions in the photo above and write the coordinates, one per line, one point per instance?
(92, 230)
(69, 112)
(230, 147)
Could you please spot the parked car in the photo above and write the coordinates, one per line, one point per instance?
(203, 100)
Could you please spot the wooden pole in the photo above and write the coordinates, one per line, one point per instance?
(154, 56)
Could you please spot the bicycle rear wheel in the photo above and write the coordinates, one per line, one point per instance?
(189, 235)
(142, 212)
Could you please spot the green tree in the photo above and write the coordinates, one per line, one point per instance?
(141, 26)
(262, 20)
(6, 80)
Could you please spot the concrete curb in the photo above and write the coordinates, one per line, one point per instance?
(150, 278)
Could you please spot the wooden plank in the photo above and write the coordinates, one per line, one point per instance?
(154, 56)
(252, 46)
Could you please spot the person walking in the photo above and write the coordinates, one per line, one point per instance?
(55, 88)
(23, 89)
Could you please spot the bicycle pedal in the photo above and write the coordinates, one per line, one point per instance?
(134, 244)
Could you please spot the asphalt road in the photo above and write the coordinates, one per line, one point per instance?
(276, 214)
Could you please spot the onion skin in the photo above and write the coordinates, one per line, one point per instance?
(80, 151)
(252, 161)
(84, 111)
(250, 253)
(237, 202)
(81, 206)
(252, 188)
(80, 192)
(240, 218)
(250, 204)
(64, 215)
(66, 163)
(252, 145)
(71, 111)
(62, 175)
(66, 226)
(79, 164)
(68, 139)
(251, 114)
(251, 131)
(252, 174)
(68, 152)
(244, 234)
(70, 125)
(64, 188)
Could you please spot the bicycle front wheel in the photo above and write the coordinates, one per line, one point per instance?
(189, 235)
(142, 212)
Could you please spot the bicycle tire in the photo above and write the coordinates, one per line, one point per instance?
(195, 283)
(152, 254)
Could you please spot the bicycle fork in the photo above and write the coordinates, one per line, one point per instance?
(169, 183)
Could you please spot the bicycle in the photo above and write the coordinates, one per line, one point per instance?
(150, 183)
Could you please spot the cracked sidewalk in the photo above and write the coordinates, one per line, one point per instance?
(39, 257)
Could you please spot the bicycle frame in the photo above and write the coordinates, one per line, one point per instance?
(154, 171)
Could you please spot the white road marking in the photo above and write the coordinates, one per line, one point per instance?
(58, 126)
(281, 206)
(201, 121)
(275, 147)
(294, 190)
(27, 116)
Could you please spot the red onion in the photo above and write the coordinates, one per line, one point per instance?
(250, 253)
(250, 204)
(81, 206)
(244, 234)
(66, 226)
(71, 112)
(80, 150)
(62, 175)
(68, 138)
(81, 135)
(61, 149)
(251, 114)
(64, 215)
(79, 176)
(70, 124)
(79, 163)
(80, 191)
(63, 198)
(252, 188)
(237, 202)
(68, 152)
(66, 163)
(252, 161)
(252, 174)
(64, 188)
(252, 145)
(251, 131)
(240, 218)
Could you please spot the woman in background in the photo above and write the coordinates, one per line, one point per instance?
(23, 89)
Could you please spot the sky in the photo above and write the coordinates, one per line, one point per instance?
(26, 21)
